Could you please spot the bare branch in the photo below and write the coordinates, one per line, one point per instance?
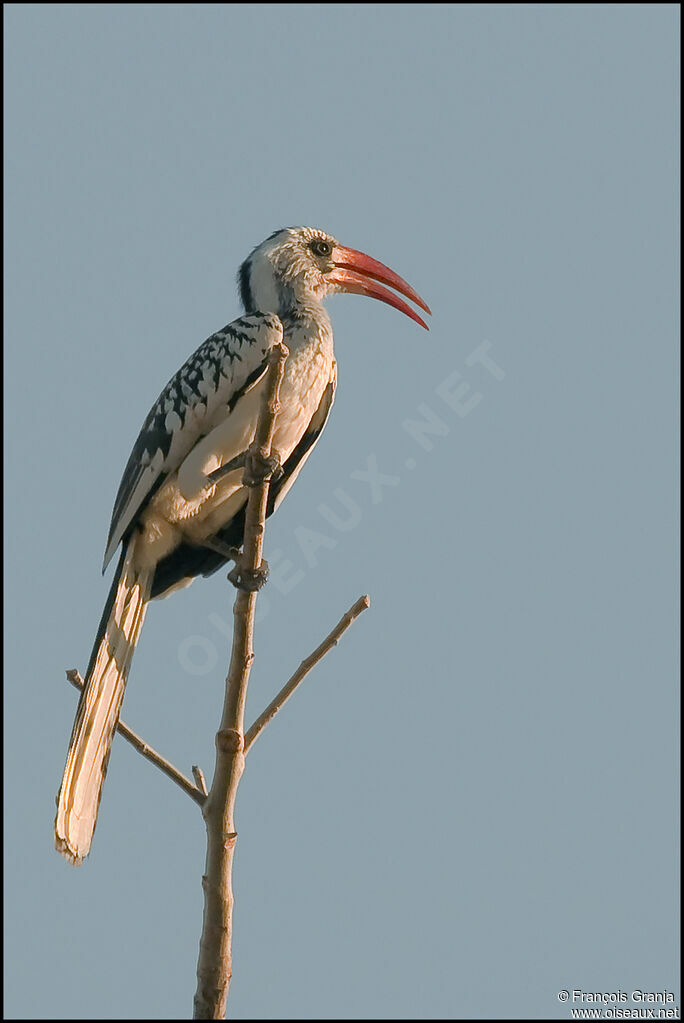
(214, 965)
(303, 670)
(145, 750)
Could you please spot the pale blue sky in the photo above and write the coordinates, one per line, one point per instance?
(473, 803)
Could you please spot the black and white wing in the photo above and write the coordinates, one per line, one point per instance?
(201, 394)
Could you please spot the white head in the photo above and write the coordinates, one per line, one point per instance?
(297, 267)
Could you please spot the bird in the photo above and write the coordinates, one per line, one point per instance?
(180, 507)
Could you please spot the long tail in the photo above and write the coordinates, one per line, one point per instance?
(98, 708)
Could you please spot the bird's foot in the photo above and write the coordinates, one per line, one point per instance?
(259, 468)
(248, 579)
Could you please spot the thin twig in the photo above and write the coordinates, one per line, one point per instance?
(303, 670)
(198, 775)
(195, 792)
(214, 965)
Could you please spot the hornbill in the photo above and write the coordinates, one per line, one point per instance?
(179, 511)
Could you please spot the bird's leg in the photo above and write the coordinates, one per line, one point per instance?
(223, 470)
(224, 549)
(258, 469)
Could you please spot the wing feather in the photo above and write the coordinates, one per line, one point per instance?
(203, 392)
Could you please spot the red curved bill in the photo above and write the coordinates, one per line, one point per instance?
(358, 273)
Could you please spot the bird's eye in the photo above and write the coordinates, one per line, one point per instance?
(320, 247)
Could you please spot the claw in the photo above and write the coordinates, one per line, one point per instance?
(249, 580)
(258, 469)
